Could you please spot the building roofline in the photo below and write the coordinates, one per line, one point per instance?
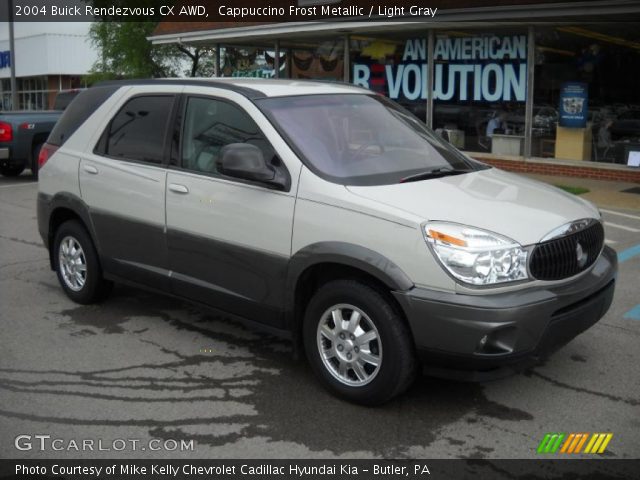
(529, 13)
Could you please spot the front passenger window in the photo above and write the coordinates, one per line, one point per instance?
(211, 124)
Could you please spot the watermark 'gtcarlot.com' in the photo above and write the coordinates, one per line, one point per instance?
(44, 443)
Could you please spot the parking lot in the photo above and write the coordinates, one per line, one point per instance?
(142, 366)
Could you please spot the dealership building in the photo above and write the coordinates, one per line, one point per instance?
(49, 57)
(558, 79)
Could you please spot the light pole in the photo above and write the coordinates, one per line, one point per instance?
(12, 59)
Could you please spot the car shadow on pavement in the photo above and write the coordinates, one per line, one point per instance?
(257, 388)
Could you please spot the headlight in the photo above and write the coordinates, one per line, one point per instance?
(476, 256)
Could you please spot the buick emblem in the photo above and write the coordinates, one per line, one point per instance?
(581, 256)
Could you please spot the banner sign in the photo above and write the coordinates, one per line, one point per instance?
(479, 69)
(5, 59)
(574, 105)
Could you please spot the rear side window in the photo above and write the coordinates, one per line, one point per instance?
(138, 131)
(80, 108)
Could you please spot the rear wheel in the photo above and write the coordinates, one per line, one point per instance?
(357, 343)
(11, 170)
(77, 265)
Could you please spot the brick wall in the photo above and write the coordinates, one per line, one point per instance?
(548, 167)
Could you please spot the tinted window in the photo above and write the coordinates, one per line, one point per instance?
(82, 106)
(211, 124)
(138, 130)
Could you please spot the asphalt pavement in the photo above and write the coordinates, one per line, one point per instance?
(141, 366)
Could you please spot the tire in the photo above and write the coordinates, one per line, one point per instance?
(380, 336)
(77, 266)
(35, 153)
(11, 170)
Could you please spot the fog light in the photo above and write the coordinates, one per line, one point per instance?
(498, 342)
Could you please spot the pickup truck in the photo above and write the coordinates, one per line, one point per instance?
(21, 136)
(22, 133)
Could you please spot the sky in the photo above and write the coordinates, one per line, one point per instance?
(26, 29)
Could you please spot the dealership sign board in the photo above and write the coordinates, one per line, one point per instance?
(573, 108)
(480, 69)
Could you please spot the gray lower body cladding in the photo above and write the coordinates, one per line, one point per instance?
(514, 329)
(232, 278)
(244, 281)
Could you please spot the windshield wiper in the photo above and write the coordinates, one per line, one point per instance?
(433, 173)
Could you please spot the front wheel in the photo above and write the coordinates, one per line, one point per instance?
(357, 343)
(77, 265)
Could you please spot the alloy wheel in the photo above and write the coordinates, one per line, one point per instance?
(349, 345)
(72, 263)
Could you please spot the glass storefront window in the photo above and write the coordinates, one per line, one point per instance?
(32, 93)
(318, 60)
(394, 66)
(583, 74)
(245, 62)
(480, 80)
(601, 62)
(479, 76)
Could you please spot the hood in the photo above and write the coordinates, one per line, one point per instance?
(522, 209)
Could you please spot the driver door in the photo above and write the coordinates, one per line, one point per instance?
(228, 240)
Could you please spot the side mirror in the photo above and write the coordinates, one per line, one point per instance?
(243, 160)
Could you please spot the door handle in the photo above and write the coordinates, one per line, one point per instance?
(177, 188)
(90, 169)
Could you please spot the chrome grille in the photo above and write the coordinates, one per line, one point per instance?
(568, 255)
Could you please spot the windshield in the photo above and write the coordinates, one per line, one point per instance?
(358, 139)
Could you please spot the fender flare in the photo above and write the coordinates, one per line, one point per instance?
(342, 253)
(68, 201)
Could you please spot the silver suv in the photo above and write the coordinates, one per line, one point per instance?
(324, 212)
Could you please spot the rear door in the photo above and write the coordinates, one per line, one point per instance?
(123, 182)
(229, 240)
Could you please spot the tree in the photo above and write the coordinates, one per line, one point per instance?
(202, 60)
(125, 52)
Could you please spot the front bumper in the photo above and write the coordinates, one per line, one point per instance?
(494, 335)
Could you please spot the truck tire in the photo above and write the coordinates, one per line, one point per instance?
(357, 343)
(11, 170)
(35, 153)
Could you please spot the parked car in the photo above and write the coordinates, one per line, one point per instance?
(21, 137)
(325, 213)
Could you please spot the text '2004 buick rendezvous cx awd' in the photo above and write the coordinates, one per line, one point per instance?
(325, 212)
